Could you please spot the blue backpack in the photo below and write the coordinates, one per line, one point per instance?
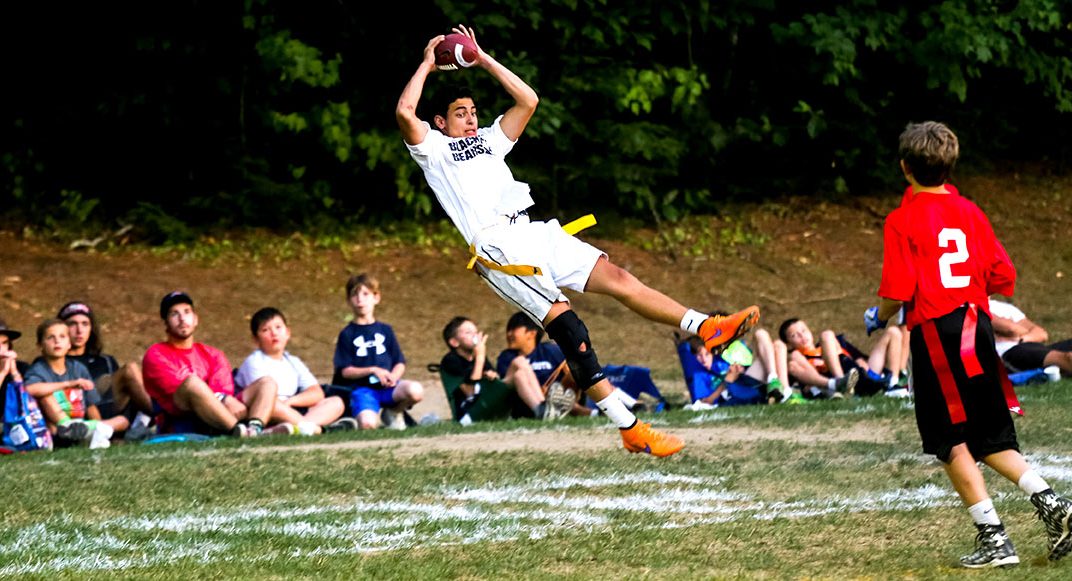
(24, 425)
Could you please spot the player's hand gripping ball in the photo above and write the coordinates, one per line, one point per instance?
(456, 50)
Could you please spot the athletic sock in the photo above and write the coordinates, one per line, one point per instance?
(616, 411)
(1032, 483)
(629, 401)
(141, 419)
(831, 384)
(692, 320)
(983, 513)
(540, 410)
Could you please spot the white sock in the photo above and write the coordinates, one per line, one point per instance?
(141, 419)
(1032, 483)
(771, 376)
(692, 320)
(983, 513)
(307, 428)
(627, 399)
(614, 409)
(831, 384)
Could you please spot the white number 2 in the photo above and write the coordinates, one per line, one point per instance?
(957, 256)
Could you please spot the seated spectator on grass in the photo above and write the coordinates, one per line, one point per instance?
(193, 383)
(123, 399)
(736, 377)
(64, 390)
(13, 369)
(828, 370)
(1023, 344)
(24, 424)
(524, 340)
(467, 359)
(825, 371)
(300, 405)
(369, 359)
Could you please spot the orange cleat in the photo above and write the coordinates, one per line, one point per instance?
(717, 331)
(641, 438)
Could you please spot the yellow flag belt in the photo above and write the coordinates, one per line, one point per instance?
(572, 228)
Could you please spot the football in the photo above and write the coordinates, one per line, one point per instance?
(456, 50)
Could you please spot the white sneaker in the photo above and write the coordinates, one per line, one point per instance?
(102, 437)
(898, 392)
(699, 405)
(285, 428)
(393, 419)
(307, 428)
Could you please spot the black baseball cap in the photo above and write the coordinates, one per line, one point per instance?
(11, 333)
(174, 298)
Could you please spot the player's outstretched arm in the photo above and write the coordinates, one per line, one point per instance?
(413, 130)
(525, 100)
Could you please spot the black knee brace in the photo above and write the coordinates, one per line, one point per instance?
(570, 333)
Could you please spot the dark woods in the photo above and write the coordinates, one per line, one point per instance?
(180, 115)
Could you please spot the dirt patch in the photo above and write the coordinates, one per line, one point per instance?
(567, 439)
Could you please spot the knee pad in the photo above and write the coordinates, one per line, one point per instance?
(571, 335)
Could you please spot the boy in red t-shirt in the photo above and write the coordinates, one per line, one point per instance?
(941, 262)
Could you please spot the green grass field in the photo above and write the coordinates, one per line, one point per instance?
(827, 490)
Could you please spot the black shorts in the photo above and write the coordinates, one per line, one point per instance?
(965, 410)
(1027, 356)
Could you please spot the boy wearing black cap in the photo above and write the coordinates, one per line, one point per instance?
(187, 378)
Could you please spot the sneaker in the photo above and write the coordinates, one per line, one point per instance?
(341, 425)
(776, 392)
(137, 432)
(282, 428)
(641, 438)
(560, 399)
(795, 398)
(846, 384)
(992, 549)
(898, 392)
(241, 430)
(73, 431)
(393, 419)
(699, 406)
(101, 437)
(1054, 512)
(717, 331)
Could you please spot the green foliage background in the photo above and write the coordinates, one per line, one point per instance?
(188, 114)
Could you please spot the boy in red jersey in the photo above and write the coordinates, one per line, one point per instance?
(941, 262)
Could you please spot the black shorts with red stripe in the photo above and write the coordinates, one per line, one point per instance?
(951, 407)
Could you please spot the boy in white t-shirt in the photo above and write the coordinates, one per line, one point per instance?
(528, 262)
(1024, 344)
(300, 403)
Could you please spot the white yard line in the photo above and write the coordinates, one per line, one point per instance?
(531, 509)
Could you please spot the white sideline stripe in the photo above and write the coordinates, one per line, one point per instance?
(532, 509)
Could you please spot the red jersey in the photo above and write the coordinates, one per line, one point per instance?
(165, 367)
(941, 252)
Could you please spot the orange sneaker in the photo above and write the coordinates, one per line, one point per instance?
(641, 438)
(718, 331)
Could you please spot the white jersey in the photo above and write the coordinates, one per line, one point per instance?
(1005, 311)
(289, 373)
(470, 177)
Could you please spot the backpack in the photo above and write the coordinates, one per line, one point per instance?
(24, 425)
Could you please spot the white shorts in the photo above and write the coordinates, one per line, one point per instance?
(565, 262)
